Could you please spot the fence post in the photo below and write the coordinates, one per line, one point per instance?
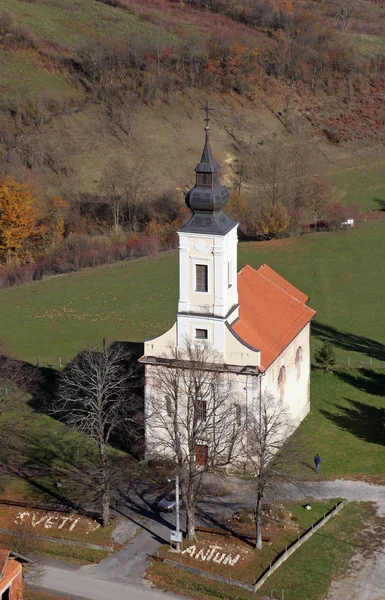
(349, 362)
(371, 361)
(37, 363)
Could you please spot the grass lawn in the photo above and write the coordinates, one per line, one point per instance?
(306, 575)
(367, 45)
(23, 77)
(343, 273)
(71, 22)
(363, 184)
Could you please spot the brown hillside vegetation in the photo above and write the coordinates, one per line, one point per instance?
(297, 90)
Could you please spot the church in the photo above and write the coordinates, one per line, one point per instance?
(257, 322)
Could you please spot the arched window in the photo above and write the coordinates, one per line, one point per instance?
(298, 361)
(281, 382)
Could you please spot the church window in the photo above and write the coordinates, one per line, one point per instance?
(238, 414)
(201, 283)
(298, 361)
(201, 409)
(201, 334)
(168, 406)
(281, 382)
(204, 178)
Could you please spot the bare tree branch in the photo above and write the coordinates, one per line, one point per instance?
(191, 418)
(97, 399)
(269, 428)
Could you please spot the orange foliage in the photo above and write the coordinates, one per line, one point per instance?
(18, 217)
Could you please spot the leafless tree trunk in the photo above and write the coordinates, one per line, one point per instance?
(96, 398)
(191, 418)
(112, 185)
(345, 9)
(269, 428)
(137, 185)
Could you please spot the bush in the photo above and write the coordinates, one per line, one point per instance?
(79, 252)
(325, 356)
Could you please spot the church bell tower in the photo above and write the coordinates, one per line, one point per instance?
(208, 297)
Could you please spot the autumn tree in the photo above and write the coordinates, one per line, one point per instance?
(269, 427)
(318, 199)
(192, 418)
(96, 398)
(238, 210)
(18, 217)
(272, 220)
(57, 208)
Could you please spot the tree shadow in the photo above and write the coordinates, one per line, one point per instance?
(362, 420)
(349, 341)
(366, 380)
(381, 202)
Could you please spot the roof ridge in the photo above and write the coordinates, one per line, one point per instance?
(279, 287)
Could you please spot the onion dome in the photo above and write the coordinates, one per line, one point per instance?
(208, 197)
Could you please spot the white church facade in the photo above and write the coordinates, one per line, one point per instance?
(255, 320)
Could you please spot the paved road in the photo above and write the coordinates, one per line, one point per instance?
(78, 585)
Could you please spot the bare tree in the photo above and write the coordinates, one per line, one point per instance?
(269, 427)
(137, 186)
(272, 171)
(96, 398)
(344, 9)
(112, 185)
(191, 418)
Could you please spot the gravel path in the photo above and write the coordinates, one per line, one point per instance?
(366, 577)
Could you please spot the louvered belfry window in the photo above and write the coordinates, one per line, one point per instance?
(201, 278)
(204, 179)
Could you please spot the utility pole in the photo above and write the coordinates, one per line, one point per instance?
(177, 527)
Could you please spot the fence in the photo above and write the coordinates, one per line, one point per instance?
(293, 547)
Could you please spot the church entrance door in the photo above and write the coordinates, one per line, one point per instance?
(201, 453)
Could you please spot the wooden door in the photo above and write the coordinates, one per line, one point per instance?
(201, 452)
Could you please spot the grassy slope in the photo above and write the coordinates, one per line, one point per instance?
(72, 23)
(343, 274)
(22, 76)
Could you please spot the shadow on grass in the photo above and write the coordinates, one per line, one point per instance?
(45, 387)
(362, 420)
(366, 380)
(381, 202)
(349, 341)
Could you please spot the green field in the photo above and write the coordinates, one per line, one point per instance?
(362, 185)
(23, 77)
(72, 22)
(344, 275)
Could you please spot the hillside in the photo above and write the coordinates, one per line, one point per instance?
(84, 83)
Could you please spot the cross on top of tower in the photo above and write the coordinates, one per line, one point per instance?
(207, 117)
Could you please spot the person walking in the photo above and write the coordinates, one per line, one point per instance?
(317, 462)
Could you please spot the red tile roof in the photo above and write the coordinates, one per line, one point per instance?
(3, 561)
(272, 312)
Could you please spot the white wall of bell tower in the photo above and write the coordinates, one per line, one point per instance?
(205, 304)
